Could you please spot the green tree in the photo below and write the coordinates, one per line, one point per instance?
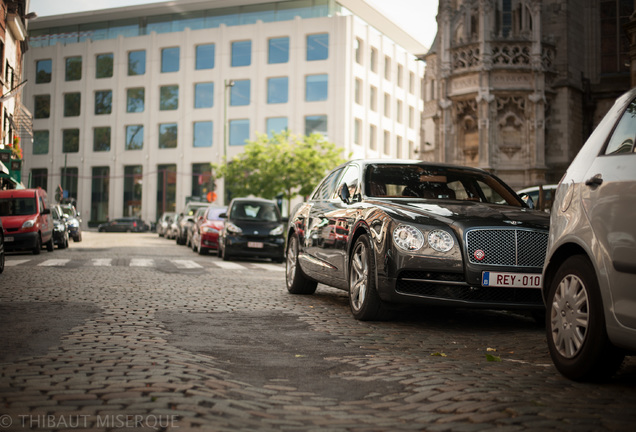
(284, 164)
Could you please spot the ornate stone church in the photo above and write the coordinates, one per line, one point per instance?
(516, 86)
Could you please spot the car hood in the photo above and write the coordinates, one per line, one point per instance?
(12, 222)
(464, 214)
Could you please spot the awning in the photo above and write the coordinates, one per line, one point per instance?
(4, 169)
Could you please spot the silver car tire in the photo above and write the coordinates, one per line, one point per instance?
(296, 280)
(576, 333)
(364, 301)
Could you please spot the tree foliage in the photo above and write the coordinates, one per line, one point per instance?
(284, 164)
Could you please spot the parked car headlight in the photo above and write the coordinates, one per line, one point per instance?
(440, 240)
(58, 226)
(73, 223)
(277, 231)
(233, 228)
(28, 224)
(209, 230)
(408, 238)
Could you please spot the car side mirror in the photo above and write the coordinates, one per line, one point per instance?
(223, 216)
(527, 199)
(344, 193)
(46, 211)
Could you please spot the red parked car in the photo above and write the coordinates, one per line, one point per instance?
(205, 233)
(26, 220)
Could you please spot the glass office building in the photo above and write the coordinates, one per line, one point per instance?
(136, 102)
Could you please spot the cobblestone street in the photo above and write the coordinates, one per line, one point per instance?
(97, 343)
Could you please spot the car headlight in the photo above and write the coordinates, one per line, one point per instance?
(408, 238)
(209, 230)
(440, 240)
(233, 228)
(28, 224)
(277, 231)
(73, 223)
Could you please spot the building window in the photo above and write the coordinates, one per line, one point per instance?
(69, 177)
(387, 67)
(359, 46)
(204, 95)
(373, 98)
(316, 87)
(275, 125)
(70, 140)
(411, 83)
(399, 147)
(168, 135)
(166, 189)
(170, 60)
(278, 51)
(202, 180)
(204, 57)
(137, 62)
(316, 124)
(104, 66)
(373, 60)
(72, 104)
(373, 144)
(101, 139)
(318, 47)
(133, 188)
(241, 53)
(399, 110)
(73, 69)
(411, 117)
(277, 90)
(357, 131)
(40, 142)
(42, 106)
(387, 142)
(387, 105)
(240, 93)
(400, 78)
(103, 102)
(39, 178)
(202, 134)
(411, 149)
(239, 132)
(615, 15)
(134, 137)
(169, 98)
(358, 91)
(99, 193)
(43, 70)
(135, 100)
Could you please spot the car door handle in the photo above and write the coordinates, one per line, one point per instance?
(597, 180)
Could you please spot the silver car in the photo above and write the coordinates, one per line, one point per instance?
(589, 277)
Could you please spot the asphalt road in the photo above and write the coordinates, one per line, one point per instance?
(131, 331)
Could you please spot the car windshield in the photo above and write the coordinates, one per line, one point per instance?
(17, 206)
(213, 214)
(255, 211)
(68, 211)
(421, 181)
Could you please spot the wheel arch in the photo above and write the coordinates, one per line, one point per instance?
(562, 253)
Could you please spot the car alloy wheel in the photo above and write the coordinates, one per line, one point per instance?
(576, 333)
(364, 300)
(297, 282)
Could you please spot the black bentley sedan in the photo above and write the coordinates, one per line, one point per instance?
(396, 232)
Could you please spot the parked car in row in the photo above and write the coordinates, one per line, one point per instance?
(412, 232)
(164, 223)
(185, 220)
(73, 220)
(60, 227)
(589, 278)
(124, 224)
(253, 228)
(1, 247)
(206, 230)
(26, 219)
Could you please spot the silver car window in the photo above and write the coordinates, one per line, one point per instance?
(623, 137)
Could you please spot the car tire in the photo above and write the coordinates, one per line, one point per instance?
(38, 246)
(202, 250)
(364, 301)
(1, 261)
(577, 339)
(50, 245)
(297, 281)
(78, 238)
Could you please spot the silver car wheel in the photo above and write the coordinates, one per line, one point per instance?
(292, 257)
(358, 279)
(569, 316)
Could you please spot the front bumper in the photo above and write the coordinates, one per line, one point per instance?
(20, 241)
(243, 246)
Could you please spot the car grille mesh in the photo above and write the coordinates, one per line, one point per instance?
(507, 247)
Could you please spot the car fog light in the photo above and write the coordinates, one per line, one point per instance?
(408, 238)
(440, 240)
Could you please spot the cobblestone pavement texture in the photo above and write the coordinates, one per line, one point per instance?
(151, 348)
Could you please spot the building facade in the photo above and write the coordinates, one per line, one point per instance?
(16, 119)
(132, 105)
(517, 86)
